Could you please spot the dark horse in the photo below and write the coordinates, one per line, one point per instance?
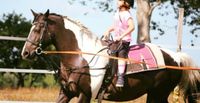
(82, 75)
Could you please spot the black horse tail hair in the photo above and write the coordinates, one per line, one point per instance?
(190, 78)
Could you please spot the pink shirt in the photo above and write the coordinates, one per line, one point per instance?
(121, 24)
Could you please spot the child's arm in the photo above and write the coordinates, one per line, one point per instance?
(130, 29)
(107, 33)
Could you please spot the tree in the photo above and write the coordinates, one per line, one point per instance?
(144, 11)
(146, 7)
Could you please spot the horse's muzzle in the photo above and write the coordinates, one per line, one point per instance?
(27, 54)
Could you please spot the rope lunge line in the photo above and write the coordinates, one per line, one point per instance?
(117, 58)
(79, 52)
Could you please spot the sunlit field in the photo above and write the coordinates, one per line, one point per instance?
(49, 95)
(29, 94)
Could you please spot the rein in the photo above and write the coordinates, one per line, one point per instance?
(79, 52)
(98, 53)
(39, 51)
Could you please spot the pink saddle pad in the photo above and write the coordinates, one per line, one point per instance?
(142, 53)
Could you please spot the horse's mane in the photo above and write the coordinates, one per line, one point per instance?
(80, 25)
(55, 14)
(77, 23)
(80, 31)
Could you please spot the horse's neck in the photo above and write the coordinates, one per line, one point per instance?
(66, 41)
(87, 42)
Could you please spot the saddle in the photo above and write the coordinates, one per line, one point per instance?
(143, 57)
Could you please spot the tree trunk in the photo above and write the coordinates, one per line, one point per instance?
(144, 11)
(143, 19)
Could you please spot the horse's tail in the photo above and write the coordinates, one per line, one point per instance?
(189, 77)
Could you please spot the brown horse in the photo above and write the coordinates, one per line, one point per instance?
(82, 75)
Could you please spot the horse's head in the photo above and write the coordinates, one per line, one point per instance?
(38, 34)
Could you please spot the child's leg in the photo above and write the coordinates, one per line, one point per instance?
(121, 66)
(121, 70)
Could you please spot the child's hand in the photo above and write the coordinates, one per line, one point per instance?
(106, 36)
(118, 38)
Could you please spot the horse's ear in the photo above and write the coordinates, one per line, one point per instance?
(34, 13)
(47, 13)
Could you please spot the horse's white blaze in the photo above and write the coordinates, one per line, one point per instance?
(23, 50)
(89, 43)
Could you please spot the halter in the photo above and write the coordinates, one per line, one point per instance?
(38, 44)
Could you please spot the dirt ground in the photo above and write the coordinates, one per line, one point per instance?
(50, 95)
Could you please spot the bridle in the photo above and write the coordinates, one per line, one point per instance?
(38, 44)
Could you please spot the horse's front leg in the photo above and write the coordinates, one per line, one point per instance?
(83, 98)
(62, 98)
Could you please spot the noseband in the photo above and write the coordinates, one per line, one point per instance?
(38, 44)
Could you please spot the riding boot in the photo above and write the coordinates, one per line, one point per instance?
(120, 80)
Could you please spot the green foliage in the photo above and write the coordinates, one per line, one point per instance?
(40, 80)
(30, 80)
(12, 24)
(8, 80)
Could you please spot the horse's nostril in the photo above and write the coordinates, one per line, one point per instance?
(25, 54)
